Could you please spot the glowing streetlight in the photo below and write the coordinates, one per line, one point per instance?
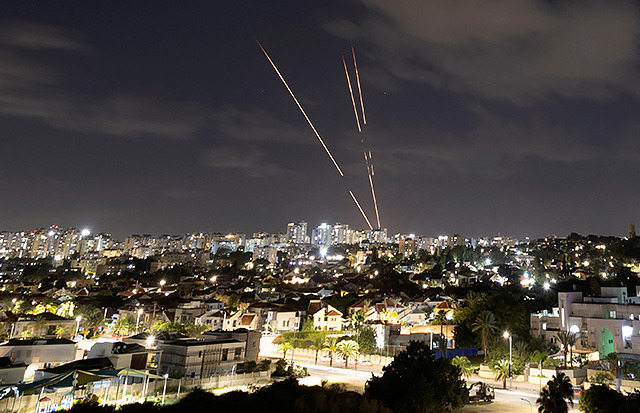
(546, 285)
(85, 232)
(162, 283)
(164, 390)
(151, 340)
(140, 311)
(507, 335)
(78, 318)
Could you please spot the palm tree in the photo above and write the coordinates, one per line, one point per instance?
(347, 348)
(441, 319)
(284, 347)
(122, 326)
(331, 345)
(501, 370)
(553, 398)
(464, 365)
(540, 357)
(486, 325)
(61, 331)
(317, 343)
(38, 325)
(568, 340)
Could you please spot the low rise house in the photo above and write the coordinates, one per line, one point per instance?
(39, 353)
(199, 358)
(327, 318)
(47, 325)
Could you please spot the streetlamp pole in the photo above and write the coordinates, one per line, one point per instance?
(508, 335)
(138, 319)
(164, 390)
(78, 325)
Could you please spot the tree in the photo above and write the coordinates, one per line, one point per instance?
(284, 347)
(416, 382)
(122, 327)
(464, 364)
(367, 340)
(347, 349)
(317, 343)
(37, 325)
(603, 399)
(540, 357)
(485, 323)
(568, 340)
(441, 319)
(553, 397)
(331, 345)
(62, 330)
(92, 317)
(501, 370)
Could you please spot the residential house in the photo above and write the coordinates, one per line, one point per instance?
(200, 358)
(39, 353)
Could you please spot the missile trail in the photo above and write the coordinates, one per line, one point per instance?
(353, 101)
(355, 64)
(314, 129)
(367, 154)
(301, 110)
(360, 208)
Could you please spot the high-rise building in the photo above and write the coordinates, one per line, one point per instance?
(341, 234)
(632, 231)
(297, 232)
(408, 246)
(321, 235)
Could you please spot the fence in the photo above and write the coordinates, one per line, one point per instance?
(133, 391)
(461, 352)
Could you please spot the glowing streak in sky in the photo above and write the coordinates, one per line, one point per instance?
(314, 129)
(360, 208)
(301, 110)
(355, 64)
(367, 154)
(353, 101)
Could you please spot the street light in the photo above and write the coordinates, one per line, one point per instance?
(507, 335)
(164, 390)
(528, 401)
(140, 311)
(78, 325)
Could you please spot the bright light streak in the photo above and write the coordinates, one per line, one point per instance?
(360, 208)
(355, 64)
(373, 194)
(353, 101)
(301, 109)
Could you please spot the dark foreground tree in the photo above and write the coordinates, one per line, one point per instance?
(415, 382)
(602, 399)
(553, 397)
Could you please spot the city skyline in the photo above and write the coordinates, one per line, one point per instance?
(169, 119)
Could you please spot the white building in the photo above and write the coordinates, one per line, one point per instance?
(606, 324)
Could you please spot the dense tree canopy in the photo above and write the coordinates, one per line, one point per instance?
(415, 382)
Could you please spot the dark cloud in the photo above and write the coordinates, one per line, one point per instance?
(519, 50)
(36, 86)
(246, 159)
(258, 125)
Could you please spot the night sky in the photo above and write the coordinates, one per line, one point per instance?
(518, 117)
